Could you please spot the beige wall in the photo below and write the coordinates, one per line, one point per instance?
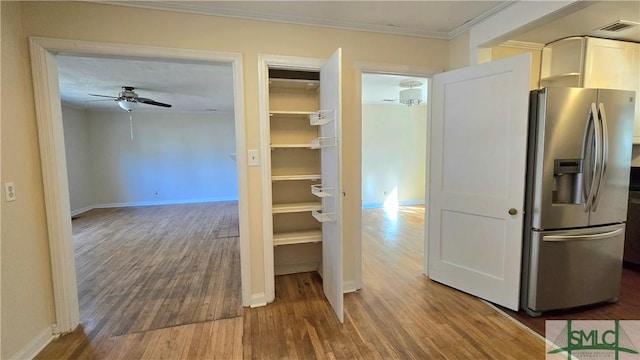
(459, 51)
(394, 145)
(24, 241)
(500, 52)
(27, 295)
(459, 56)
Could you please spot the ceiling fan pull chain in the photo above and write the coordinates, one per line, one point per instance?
(131, 124)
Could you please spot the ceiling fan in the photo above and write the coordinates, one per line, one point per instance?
(129, 100)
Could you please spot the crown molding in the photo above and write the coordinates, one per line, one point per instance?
(522, 45)
(469, 24)
(193, 8)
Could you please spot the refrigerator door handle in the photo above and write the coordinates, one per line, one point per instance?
(591, 139)
(582, 237)
(587, 144)
(605, 150)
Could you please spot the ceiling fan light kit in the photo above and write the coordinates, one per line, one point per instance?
(127, 104)
(128, 100)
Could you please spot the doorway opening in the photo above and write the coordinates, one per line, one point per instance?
(153, 191)
(394, 161)
(44, 53)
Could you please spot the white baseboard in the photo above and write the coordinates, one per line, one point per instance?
(147, 203)
(162, 202)
(81, 210)
(35, 345)
(411, 202)
(349, 286)
(372, 205)
(257, 300)
(377, 205)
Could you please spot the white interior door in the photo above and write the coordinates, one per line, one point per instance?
(477, 167)
(330, 100)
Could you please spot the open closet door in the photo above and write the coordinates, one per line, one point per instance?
(330, 158)
(477, 167)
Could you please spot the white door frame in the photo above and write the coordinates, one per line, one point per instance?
(264, 63)
(54, 167)
(391, 69)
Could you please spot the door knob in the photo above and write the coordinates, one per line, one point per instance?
(513, 211)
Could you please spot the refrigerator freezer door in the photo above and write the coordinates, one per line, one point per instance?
(572, 268)
(556, 193)
(616, 108)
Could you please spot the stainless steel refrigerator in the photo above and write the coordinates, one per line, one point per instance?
(579, 156)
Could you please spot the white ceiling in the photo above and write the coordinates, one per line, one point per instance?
(385, 89)
(199, 87)
(585, 21)
(187, 86)
(435, 19)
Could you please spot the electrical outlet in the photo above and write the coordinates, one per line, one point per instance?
(9, 191)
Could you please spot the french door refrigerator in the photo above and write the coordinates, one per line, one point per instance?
(579, 156)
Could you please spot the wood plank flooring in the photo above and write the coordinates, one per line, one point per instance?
(399, 314)
(145, 268)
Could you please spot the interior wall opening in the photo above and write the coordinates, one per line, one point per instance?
(153, 192)
(394, 160)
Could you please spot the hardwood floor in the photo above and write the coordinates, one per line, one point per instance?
(145, 268)
(219, 339)
(399, 314)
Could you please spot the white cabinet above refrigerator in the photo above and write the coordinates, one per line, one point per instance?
(593, 63)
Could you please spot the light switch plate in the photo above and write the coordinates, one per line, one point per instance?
(252, 157)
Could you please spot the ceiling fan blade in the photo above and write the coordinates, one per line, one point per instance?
(100, 100)
(106, 96)
(151, 102)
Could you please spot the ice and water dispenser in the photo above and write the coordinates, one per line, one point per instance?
(567, 181)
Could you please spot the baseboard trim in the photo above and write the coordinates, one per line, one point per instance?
(377, 205)
(296, 268)
(167, 202)
(35, 345)
(147, 203)
(411, 202)
(349, 286)
(82, 210)
(372, 205)
(258, 300)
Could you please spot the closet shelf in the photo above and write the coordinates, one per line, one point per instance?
(291, 146)
(295, 207)
(297, 237)
(292, 114)
(293, 84)
(296, 177)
